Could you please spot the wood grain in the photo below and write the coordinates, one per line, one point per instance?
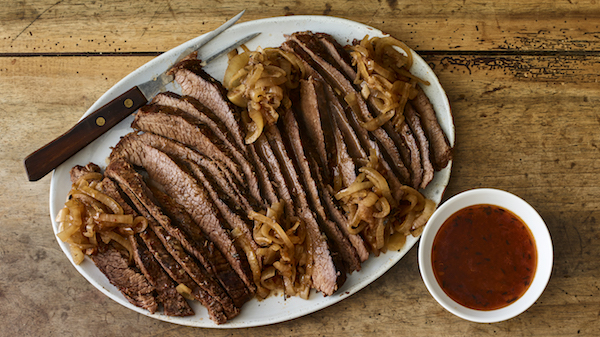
(118, 26)
(522, 80)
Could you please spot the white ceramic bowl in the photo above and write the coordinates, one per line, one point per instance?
(512, 203)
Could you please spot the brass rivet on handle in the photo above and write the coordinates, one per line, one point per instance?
(128, 103)
(100, 121)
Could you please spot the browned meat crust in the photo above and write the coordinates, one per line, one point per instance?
(441, 151)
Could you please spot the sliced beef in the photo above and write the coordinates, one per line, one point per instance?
(196, 109)
(441, 151)
(173, 303)
(326, 47)
(195, 82)
(179, 275)
(268, 189)
(110, 188)
(142, 197)
(338, 56)
(238, 222)
(231, 208)
(348, 170)
(133, 285)
(338, 217)
(264, 150)
(203, 115)
(79, 171)
(413, 120)
(174, 124)
(411, 153)
(135, 188)
(355, 136)
(328, 273)
(359, 143)
(317, 123)
(345, 165)
(185, 190)
(295, 146)
(343, 61)
(221, 179)
(193, 241)
(310, 50)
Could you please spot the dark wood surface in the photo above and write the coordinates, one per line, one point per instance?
(522, 79)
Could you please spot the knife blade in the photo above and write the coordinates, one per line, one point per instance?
(51, 155)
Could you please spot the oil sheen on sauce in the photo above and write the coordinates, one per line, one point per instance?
(484, 257)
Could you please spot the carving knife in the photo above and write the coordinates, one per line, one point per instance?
(47, 158)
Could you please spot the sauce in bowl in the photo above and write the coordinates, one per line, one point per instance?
(484, 257)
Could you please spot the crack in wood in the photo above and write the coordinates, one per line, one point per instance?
(34, 20)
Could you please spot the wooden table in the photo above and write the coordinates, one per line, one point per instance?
(522, 79)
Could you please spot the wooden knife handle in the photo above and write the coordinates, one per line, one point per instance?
(47, 158)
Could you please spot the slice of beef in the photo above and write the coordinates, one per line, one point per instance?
(174, 124)
(110, 188)
(78, 171)
(222, 179)
(268, 187)
(317, 123)
(338, 56)
(309, 49)
(294, 145)
(413, 120)
(193, 241)
(357, 142)
(264, 150)
(196, 272)
(441, 151)
(187, 192)
(133, 285)
(195, 82)
(194, 108)
(173, 303)
(204, 116)
(346, 164)
(142, 197)
(411, 153)
(179, 275)
(328, 273)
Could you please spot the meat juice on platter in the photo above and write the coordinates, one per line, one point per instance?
(484, 257)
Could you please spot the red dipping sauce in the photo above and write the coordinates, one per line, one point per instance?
(484, 257)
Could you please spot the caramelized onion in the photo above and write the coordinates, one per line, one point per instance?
(284, 253)
(185, 291)
(259, 82)
(89, 213)
(373, 213)
(382, 72)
